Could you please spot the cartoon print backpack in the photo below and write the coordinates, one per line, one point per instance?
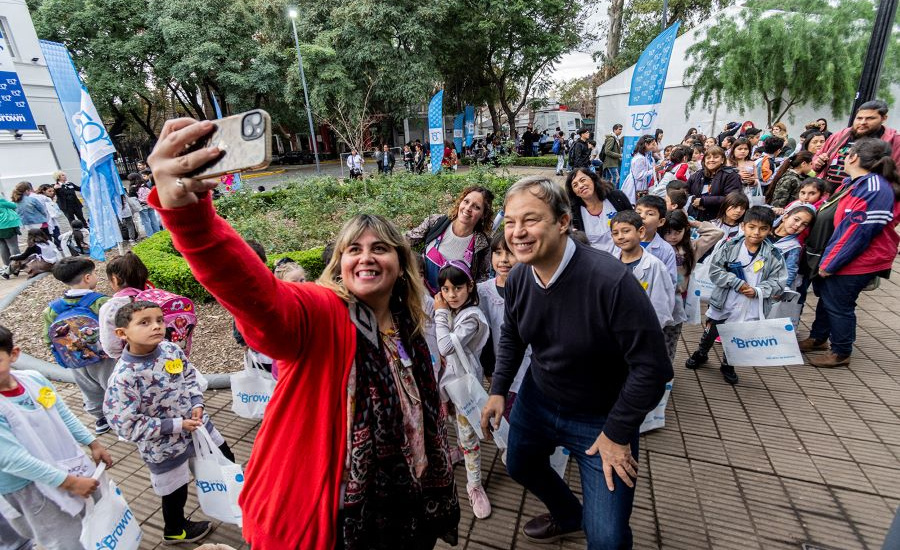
(178, 314)
(75, 333)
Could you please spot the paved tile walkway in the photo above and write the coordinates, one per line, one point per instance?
(790, 455)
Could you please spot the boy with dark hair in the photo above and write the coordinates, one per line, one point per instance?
(45, 475)
(627, 230)
(652, 210)
(72, 332)
(744, 268)
(153, 400)
(676, 199)
(765, 165)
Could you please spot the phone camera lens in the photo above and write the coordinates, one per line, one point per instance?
(249, 129)
(255, 119)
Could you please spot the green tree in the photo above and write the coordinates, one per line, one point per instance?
(579, 94)
(786, 54)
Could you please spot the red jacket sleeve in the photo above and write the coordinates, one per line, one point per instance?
(274, 316)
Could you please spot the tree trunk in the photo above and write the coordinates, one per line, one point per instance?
(495, 118)
(616, 13)
(117, 126)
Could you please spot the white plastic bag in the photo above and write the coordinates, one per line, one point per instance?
(109, 522)
(251, 390)
(559, 460)
(469, 398)
(219, 481)
(762, 343)
(789, 306)
(692, 303)
(657, 417)
(701, 281)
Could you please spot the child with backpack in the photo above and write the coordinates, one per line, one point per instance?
(44, 471)
(72, 332)
(154, 400)
(128, 278)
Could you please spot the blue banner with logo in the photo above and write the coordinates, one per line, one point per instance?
(14, 111)
(458, 133)
(469, 124)
(100, 182)
(647, 85)
(436, 130)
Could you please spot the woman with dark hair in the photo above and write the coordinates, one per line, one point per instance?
(823, 127)
(691, 135)
(710, 185)
(642, 172)
(852, 243)
(461, 234)
(594, 203)
(813, 143)
(361, 460)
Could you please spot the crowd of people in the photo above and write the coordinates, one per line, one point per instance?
(388, 346)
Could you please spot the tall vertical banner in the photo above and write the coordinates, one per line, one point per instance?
(469, 124)
(100, 182)
(436, 130)
(647, 85)
(458, 133)
(14, 111)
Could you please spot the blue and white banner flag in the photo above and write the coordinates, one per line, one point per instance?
(458, 133)
(647, 85)
(14, 111)
(469, 124)
(100, 182)
(436, 130)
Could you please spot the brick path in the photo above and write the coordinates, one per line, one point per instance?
(790, 455)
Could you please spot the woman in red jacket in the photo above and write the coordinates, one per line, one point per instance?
(853, 241)
(353, 450)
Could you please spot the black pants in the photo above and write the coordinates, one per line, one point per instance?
(173, 503)
(75, 213)
(710, 333)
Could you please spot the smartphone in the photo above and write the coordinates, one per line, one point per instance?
(245, 140)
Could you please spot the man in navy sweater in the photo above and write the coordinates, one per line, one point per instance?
(598, 366)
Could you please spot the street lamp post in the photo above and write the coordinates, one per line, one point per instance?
(292, 13)
(874, 60)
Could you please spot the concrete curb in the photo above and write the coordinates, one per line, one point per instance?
(58, 374)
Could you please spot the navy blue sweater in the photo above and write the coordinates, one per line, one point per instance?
(597, 347)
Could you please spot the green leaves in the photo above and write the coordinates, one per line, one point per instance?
(806, 52)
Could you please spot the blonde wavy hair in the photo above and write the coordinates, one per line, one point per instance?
(408, 289)
(57, 174)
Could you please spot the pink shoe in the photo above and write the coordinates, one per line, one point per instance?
(481, 506)
(718, 339)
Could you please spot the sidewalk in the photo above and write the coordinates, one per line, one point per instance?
(790, 456)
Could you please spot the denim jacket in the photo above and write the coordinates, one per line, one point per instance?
(771, 282)
(31, 211)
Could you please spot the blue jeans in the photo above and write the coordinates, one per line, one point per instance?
(560, 163)
(611, 174)
(836, 310)
(149, 221)
(537, 427)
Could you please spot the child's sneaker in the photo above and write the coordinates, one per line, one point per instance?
(481, 506)
(192, 532)
(728, 374)
(696, 359)
(101, 426)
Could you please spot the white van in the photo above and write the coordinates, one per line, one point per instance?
(567, 121)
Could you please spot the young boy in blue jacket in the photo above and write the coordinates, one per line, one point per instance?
(743, 269)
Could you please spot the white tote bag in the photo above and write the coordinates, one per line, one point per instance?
(109, 522)
(657, 417)
(469, 397)
(692, 303)
(251, 390)
(701, 281)
(789, 306)
(763, 343)
(219, 481)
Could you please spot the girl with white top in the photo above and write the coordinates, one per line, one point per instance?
(462, 331)
(47, 195)
(642, 172)
(38, 257)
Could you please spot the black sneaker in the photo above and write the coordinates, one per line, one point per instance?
(192, 532)
(543, 529)
(728, 374)
(696, 359)
(101, 426)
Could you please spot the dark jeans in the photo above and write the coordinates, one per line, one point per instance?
(173, 503)
(76, 213)
(710, 333)
(836, 310)
(537, 427)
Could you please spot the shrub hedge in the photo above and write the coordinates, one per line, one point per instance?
(169, 271)
(302, 216)
(543, 161)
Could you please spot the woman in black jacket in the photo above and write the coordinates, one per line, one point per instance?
(708, 187)
(67, 198)
(594, 203)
